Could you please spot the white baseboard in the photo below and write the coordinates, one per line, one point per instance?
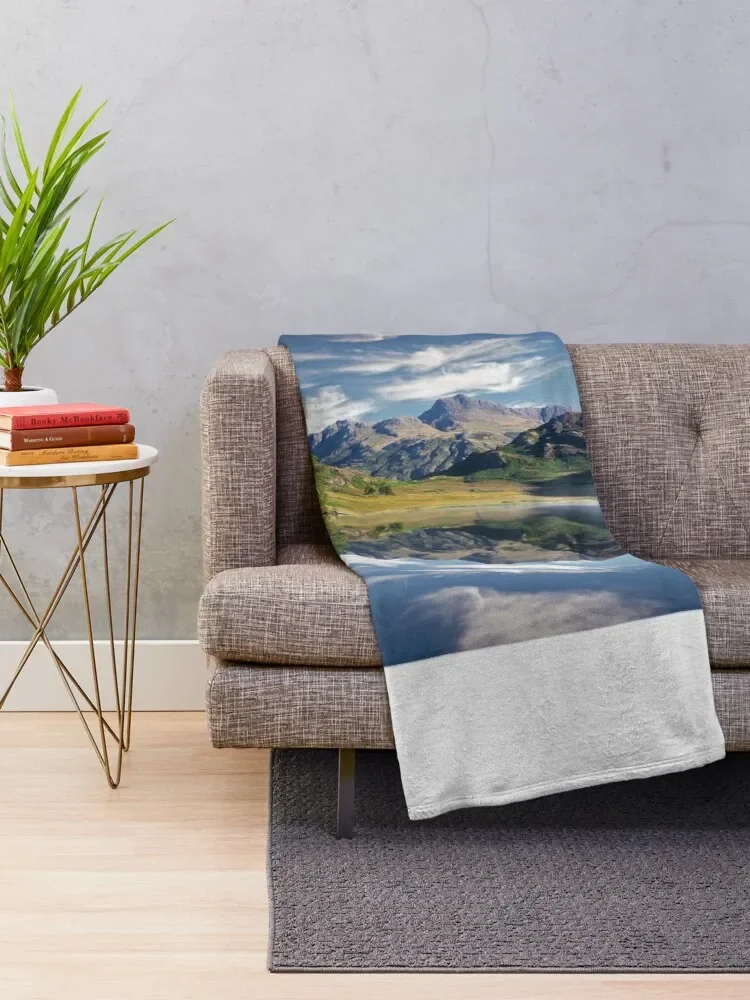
(170, 675)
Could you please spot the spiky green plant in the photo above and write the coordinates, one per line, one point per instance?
(41, 280)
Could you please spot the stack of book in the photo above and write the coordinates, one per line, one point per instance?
(65, 432)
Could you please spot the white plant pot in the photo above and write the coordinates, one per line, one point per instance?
(32, 395)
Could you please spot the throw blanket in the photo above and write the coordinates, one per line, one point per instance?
(524, 652)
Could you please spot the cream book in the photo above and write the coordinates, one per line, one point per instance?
(52, 456)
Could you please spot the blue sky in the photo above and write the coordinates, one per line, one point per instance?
(370, 377)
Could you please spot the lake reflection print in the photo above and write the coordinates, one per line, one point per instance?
(454, 478)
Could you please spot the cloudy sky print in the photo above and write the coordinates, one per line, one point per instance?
(372, 377)
(454, 478)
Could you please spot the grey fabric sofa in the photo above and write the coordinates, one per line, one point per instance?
(292, 653)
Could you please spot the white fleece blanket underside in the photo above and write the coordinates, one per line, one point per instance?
(502, 724)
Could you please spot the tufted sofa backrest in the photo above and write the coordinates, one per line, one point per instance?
(668, 429)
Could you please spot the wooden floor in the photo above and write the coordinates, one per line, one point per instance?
(158, 891)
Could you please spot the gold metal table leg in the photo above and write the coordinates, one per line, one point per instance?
(108, 741)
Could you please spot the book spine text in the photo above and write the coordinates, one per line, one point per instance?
(53, 456)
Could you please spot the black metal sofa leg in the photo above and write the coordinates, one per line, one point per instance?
(345, 811)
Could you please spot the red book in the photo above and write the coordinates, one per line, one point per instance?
(29, 418)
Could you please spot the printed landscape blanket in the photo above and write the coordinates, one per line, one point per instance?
(525, 653)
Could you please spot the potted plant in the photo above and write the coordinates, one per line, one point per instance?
(41, 279)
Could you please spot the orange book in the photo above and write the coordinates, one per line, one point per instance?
(52, 456)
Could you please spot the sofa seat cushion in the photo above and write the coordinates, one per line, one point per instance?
(310, 610)
(724, 586)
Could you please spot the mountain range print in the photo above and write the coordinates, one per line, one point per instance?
(453, 476)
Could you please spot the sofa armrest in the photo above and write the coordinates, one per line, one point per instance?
(238, 442)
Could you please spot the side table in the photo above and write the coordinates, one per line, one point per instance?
(105, 478)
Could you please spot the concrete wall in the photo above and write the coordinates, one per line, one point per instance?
(398, 165)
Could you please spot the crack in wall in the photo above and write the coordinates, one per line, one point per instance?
(674, 224)
(637, 253)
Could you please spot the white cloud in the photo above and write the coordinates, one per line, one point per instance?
(332, 404)
(472, 379)
(365, 335)
(485, 618)
(434, 357)
(374, 367)
(302, 356)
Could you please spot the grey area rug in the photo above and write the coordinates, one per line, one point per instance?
(647, 875)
